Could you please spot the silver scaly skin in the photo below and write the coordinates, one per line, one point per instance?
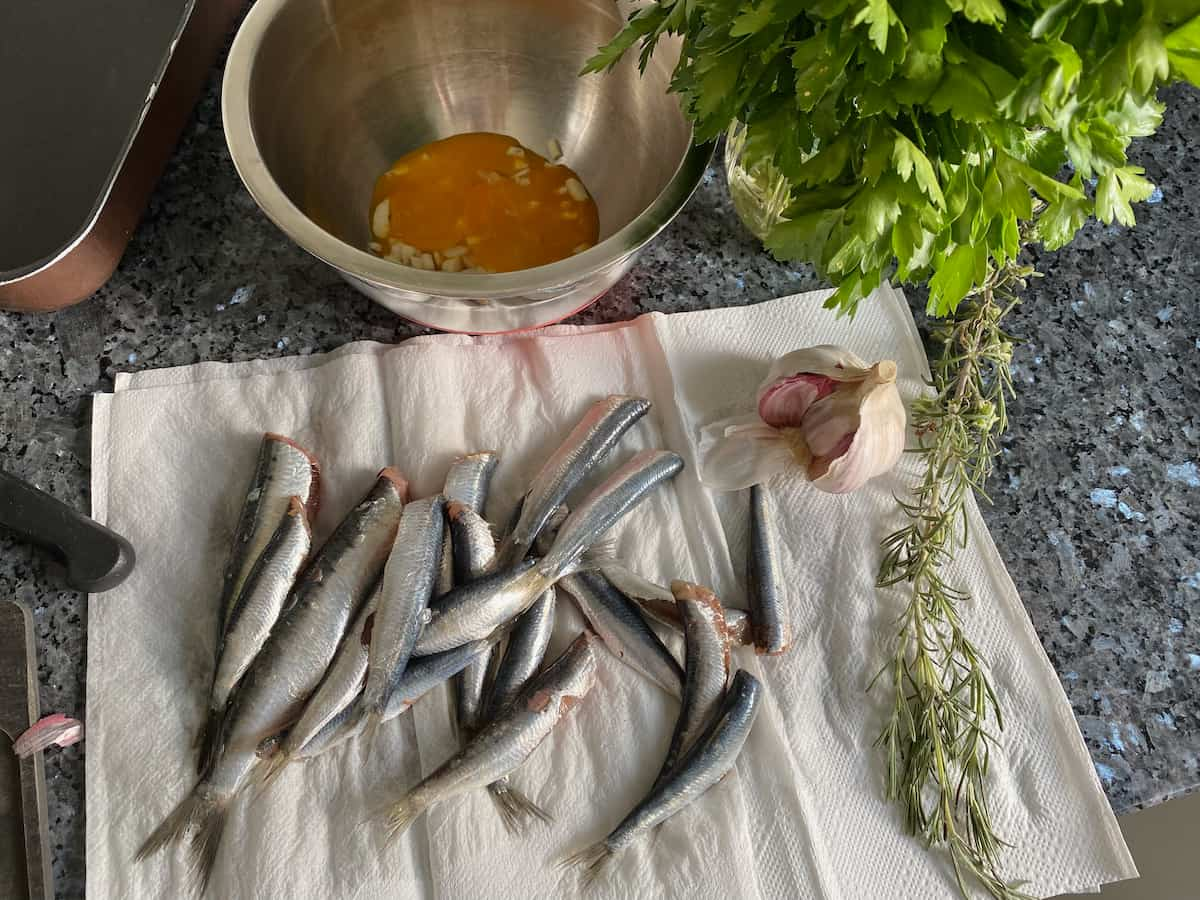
(659, 604)
(712, 756)
(284, 470)
(603, 507)
(289, 667)
(476, 610)
(620, 624)
(418, 678)
(474, 550)
(262, 598)
(588, 443)
(408, 581)
(523, 654)
(706, 659)
(469, 479)
(768, 613)
(507, 741)
(338, 689)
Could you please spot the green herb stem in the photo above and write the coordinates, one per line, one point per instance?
(937, 739)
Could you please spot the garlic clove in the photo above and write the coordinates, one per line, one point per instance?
(856, 433)
(784, 403)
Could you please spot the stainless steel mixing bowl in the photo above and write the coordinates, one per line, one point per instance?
(321, 96)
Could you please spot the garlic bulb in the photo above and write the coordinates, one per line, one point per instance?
(823, 408)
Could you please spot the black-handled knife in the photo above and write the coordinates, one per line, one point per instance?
(96, 558)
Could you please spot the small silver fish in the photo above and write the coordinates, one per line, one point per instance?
(603, 507)
(588, 443)
(707, 662)
(659, 604)
(474, 549)
(768, 611)
(338, 689)
(507, 741)
(620, 624)
(617, 620)
(408, 580)
(284, 470)
(469, 480)
(259, 604)
(476, 610)
(289, 667)
(712, 756)
(418, 678)
(523, 654)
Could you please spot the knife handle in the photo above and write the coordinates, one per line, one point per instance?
(96, 558)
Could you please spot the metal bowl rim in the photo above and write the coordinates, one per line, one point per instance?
(256, 176)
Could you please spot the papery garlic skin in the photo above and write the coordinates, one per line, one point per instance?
(842, 417)
(823, 408)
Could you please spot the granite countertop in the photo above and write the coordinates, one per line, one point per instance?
(1096, 499)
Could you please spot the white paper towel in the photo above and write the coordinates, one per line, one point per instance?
(805, 815)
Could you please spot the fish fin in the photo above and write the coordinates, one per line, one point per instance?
(598, 558)
(516, 810)
(208, 740)
(400, 815)
(207, 840)
(593, 859)
(200, 810)
(174, 826)
(636, 586)
(268, 769)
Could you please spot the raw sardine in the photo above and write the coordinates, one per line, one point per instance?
(474, 548)
(419, 677)
(588, 443)
(768, 612)
(469, 479)
(290, 665)
(284, 470)
(523, 654)
(619, 493)
(507, 741)
(339, 688)
(659, 604)
(706, 658)
(476, 610)
(620, 624)
(712, 756)
(408, 580)
(259, 603)
(618, 621)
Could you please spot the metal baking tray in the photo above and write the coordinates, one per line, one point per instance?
(93, 97)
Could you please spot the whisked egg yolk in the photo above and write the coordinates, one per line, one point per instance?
(480, 202)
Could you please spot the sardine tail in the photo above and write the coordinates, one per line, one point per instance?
(591, 859)
(207, 840)
(174, 826)
(208, 740)
(400, 816)
(516, 810)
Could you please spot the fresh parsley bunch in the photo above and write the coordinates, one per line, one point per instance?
(924, 138)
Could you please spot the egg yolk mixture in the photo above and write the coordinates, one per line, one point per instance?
(480, 202)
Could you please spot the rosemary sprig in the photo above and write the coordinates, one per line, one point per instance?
(937, 739)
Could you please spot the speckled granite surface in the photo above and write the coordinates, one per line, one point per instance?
(1097, 498)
